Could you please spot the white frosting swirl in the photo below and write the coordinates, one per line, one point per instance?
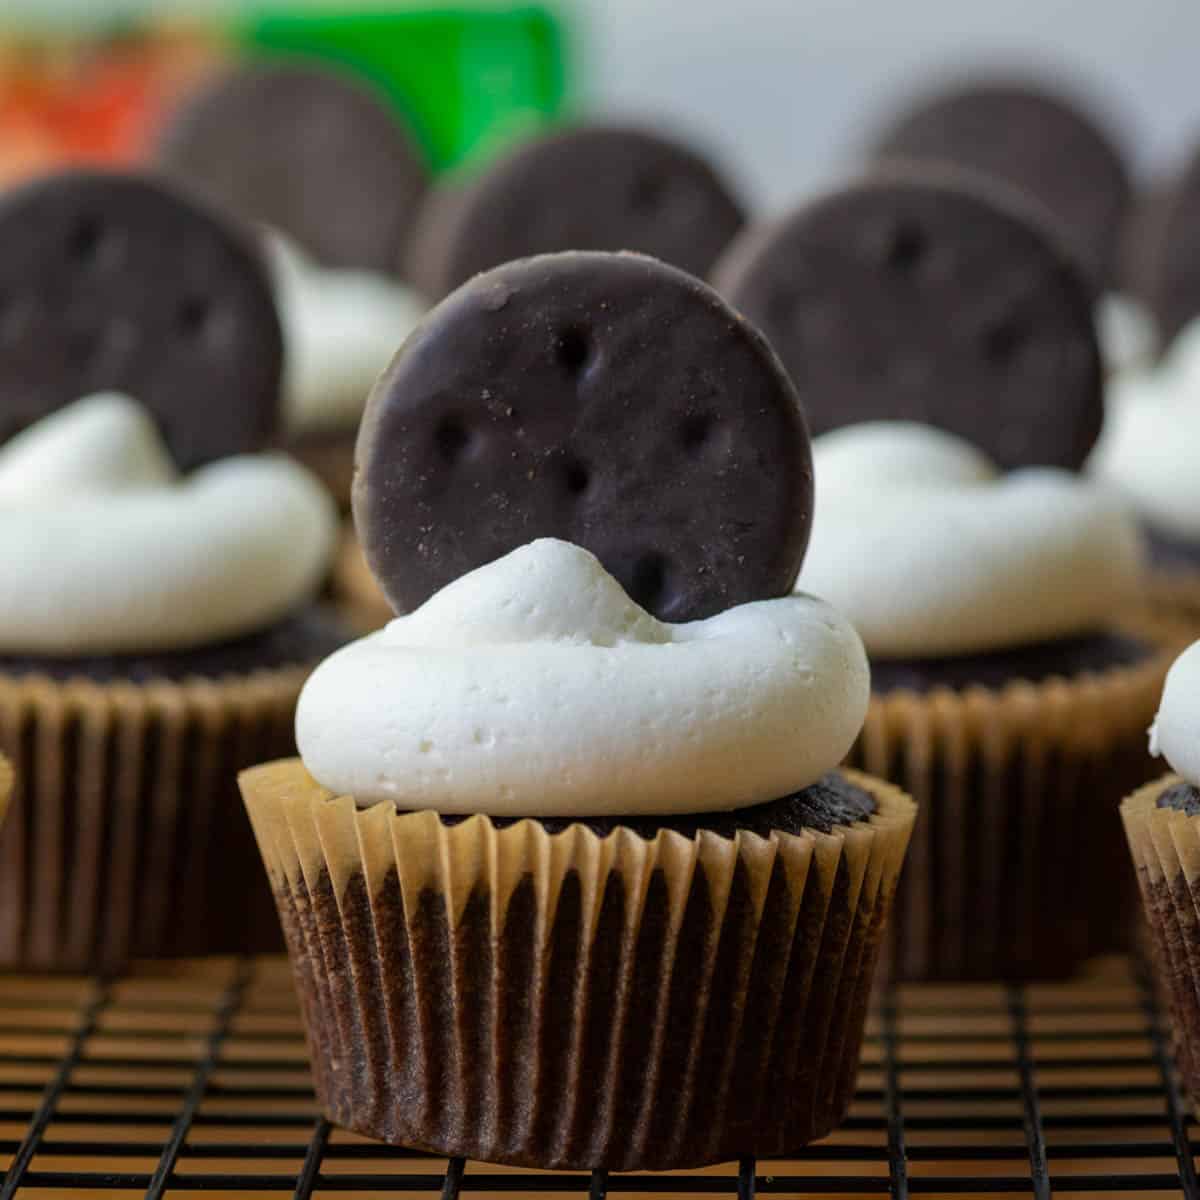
(340, 329)
(1175, 734)
(105, 550)
(930, 552)
(1151, 437)
(535, 687)
(1126, 333)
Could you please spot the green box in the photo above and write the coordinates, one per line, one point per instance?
(466, 78)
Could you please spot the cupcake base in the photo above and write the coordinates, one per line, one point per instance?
(1018, 868)
(1165, 844)
(571, 1001)
(124, 836)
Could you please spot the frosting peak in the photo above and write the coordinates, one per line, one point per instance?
(535, 687)
(108, 550)
(930, 552)
(546, 591)
(103, 443)
(1175, 734)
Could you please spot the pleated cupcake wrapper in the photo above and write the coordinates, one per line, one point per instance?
(355, 587)
(6, 788)
(1165, 845)
(1018, 867)
(571, 1001)
(124, 836)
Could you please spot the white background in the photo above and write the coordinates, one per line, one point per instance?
(783, 89)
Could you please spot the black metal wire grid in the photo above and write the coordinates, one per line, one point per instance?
(192, 1078)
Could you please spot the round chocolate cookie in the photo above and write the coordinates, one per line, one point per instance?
(606, 399)
(114, 282)
(907, 296)
(1171, 262)
(1033, 140)
(1139, 252)
(588, 188)
(306, 150)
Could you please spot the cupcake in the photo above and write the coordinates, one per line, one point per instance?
(1160, 822)
(1012, 682)
(329, 169)
(158, 614)
(943, 344)
(568, 872)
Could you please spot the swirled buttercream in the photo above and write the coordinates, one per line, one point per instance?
(535, 687)
(1151, 432)
(1175, 734)
(106, 550)
(929, 552)
(1126, 332)
(340, 329)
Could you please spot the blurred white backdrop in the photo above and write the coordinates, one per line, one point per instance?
(785, 89)
(782, 89)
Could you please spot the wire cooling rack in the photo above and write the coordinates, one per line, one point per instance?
(191, 1077)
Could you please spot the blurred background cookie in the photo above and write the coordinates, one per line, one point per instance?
(304, 149)
(928, 296)
(1032, 139)
(594, 187)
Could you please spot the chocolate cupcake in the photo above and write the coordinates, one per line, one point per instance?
(1164, 839)
(1013, 678)
(158, 617)
(565, 884)
(939, 336)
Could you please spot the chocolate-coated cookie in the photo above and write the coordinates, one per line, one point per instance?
(1171, 263)
(912, 297)
(588, 188)
(115, 282)
(606, 399)
(1139, 251)
(307, 150)
(1033, 140)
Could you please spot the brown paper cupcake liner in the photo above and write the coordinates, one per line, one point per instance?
(1018, 867)
(354, 587)
(125, 837)
(571, 1001)
(6, 788)
(1165, 844)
